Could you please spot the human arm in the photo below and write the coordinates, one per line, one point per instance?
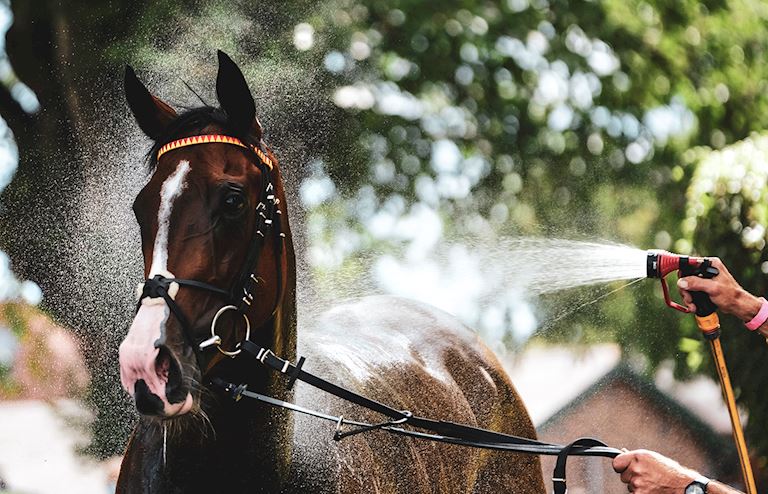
(648, 472)
(725, 292)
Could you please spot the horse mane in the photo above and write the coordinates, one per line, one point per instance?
(190, 122)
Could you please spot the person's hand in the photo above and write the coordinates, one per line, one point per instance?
(724, 291)
(648, 472)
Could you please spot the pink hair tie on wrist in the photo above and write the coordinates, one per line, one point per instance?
(761, 316)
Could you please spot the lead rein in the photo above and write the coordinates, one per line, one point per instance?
(439, 430)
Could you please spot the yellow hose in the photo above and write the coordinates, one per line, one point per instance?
(730, 401)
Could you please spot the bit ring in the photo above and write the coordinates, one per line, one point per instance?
(214, 335)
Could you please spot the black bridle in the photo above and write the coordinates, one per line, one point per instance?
(240, 296)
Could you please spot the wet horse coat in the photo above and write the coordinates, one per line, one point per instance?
(403, 353)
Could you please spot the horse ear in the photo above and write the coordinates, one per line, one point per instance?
(235, 97)
(152, 114)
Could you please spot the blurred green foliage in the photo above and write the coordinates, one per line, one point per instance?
(726, 216)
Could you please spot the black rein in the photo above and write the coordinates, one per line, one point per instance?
(439, 430)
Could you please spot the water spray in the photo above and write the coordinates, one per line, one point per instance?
(659, 265)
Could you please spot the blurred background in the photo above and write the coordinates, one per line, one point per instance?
(432, 150)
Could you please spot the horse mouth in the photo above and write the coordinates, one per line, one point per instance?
(177, 399)
(147, 402)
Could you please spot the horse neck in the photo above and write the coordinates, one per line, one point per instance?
(277, 332)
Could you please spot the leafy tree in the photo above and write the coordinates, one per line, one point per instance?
(726, 216)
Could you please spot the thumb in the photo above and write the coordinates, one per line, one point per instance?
(695, 284)
(621, 462)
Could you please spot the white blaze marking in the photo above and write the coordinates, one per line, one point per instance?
(171, 189)
(138, 352)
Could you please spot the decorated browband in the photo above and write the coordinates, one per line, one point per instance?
(210, 138)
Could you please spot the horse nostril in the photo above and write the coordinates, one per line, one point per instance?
(163, 364)
(168, 370)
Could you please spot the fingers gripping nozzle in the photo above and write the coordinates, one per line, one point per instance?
(661, 263)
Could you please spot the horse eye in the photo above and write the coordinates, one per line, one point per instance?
(233, 202)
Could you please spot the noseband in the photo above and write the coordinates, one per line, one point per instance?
(239, 297)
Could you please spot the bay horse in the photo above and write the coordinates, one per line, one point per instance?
(215, 192)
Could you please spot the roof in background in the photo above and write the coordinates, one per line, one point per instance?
(549, 378)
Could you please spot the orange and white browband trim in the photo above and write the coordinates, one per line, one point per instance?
(210, 138)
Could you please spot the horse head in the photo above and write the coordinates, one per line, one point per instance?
(215, 240)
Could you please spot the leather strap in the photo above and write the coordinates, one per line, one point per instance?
(448, 431)
(558, 475)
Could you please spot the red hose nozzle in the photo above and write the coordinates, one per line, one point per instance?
(661, 263)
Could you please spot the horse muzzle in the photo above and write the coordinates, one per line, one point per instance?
(149, 370)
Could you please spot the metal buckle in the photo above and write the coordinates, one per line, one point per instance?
(556, 480)
(262, 355)
(337, 435)
(215, 340)
(340, 434)
(266, 352)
